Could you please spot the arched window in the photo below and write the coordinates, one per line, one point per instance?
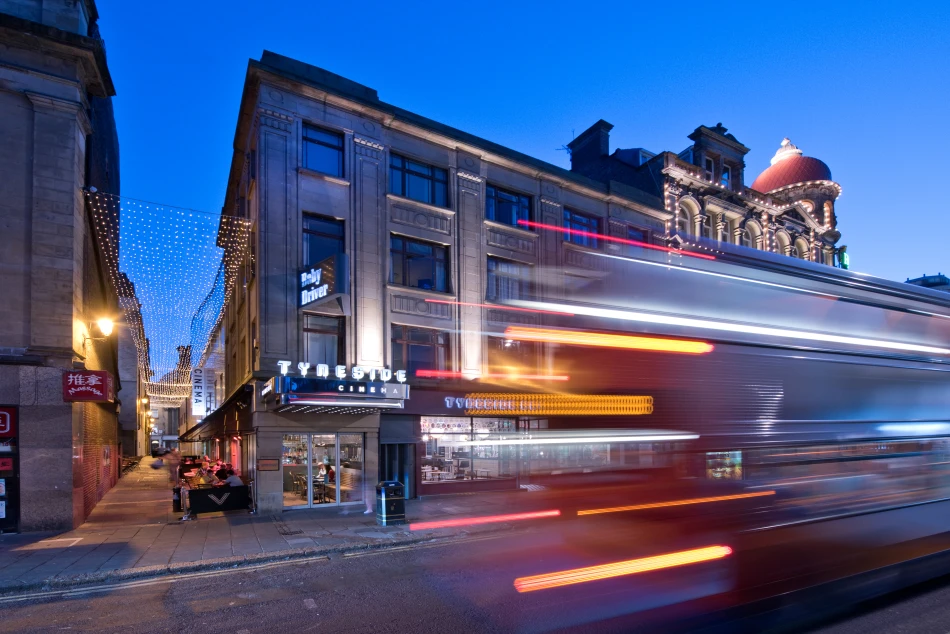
(801, 249)
(751, 235)
(746, 239)
(782, 243)
(682, 222)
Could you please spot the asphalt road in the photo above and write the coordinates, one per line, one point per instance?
(923, 609)
(447, 588)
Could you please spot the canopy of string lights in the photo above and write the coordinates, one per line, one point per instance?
(174, 270)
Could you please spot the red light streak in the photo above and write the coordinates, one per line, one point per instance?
(487, 519)
(636, 243)
(657, 505)
(449, 374)
(501, 307)
(620, 568)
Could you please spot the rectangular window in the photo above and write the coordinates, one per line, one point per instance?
(322, 151)
(726, 178)
(418, 181)
(508, 280)
(710, 169)
(507, 355)
(419, 264)
(638, 235)
(507, 207)
(579, 286)
(417, 349)
(588, 225)
(322, 238)
(323, 340)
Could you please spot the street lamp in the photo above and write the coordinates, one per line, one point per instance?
(105, 325)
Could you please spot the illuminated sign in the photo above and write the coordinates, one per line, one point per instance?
(551, 405)
(7, 422)
(323, 281)
(88, 385)
(198, 402)
(845, 260)
(357, 373)
(297, 388)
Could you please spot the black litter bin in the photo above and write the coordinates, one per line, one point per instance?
(390, 503)
(176, 500)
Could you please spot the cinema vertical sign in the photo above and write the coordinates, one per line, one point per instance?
(324, 281)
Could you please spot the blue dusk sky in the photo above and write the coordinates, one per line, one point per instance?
(864, 86)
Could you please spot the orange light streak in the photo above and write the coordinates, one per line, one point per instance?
(450, 374)
(657, 505)
(620, 568)
(604, 340)
(487, 519)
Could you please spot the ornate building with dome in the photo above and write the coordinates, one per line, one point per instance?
(789, 208)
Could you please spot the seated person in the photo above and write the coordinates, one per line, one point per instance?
(233, 479)
(331, 474)
(203, 478)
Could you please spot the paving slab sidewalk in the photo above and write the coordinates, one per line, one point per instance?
(133, 532)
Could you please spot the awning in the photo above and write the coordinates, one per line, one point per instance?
(232, 418)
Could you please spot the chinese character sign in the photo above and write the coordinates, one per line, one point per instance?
(88, 385)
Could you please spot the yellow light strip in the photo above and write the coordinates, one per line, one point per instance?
(605, 340)
(657, 505)
(502, 404)
(621, 568)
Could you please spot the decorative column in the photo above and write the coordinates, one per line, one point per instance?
(368, 265)
(471, 271)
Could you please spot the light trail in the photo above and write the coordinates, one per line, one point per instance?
(450, 374)
(620, 568)
(605, 340)
(580, 440)
(706, 324)
(499, 307)
(657, 505)
(598, 236)
(487, 519)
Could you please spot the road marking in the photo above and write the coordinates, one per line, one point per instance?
(310, 604)
(50, 543)
(171, 578)
(383, 551)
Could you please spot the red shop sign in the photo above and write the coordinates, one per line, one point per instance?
(88, 385)
(6, 464)
(8, 422)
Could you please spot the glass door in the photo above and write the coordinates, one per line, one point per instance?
(294, 468)
(323, 469)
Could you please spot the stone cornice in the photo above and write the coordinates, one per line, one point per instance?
(46, 103)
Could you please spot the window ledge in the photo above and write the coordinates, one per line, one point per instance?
(324, 177)
(402, 199)
(580, 247)
(503, 227)
(420, 291)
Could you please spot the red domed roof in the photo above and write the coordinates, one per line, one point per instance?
(790, 167)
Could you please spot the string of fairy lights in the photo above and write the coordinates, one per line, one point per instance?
(174, 270)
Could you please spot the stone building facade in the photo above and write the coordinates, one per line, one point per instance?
(425, 230)
(58, 134)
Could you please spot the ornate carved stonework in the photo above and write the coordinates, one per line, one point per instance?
(412, 305)
(273, 119)
(514, 242)
(422, 219)
(583, 260)
(366, 147)
(508, 317)
(470, 181)
(549, 201)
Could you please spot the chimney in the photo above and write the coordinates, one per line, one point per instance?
(593, 143)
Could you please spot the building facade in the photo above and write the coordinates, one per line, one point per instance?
(382, 246)
(57, 457)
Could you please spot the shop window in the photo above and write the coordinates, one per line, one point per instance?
(323, 340)
(322, 238)
(416, 349)
(507, 207)
(452, 452)
(508, 355)
(585, 229)
(638, 235)
(418, 181)
(508, 280)
(322, 151)
(419, 264)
